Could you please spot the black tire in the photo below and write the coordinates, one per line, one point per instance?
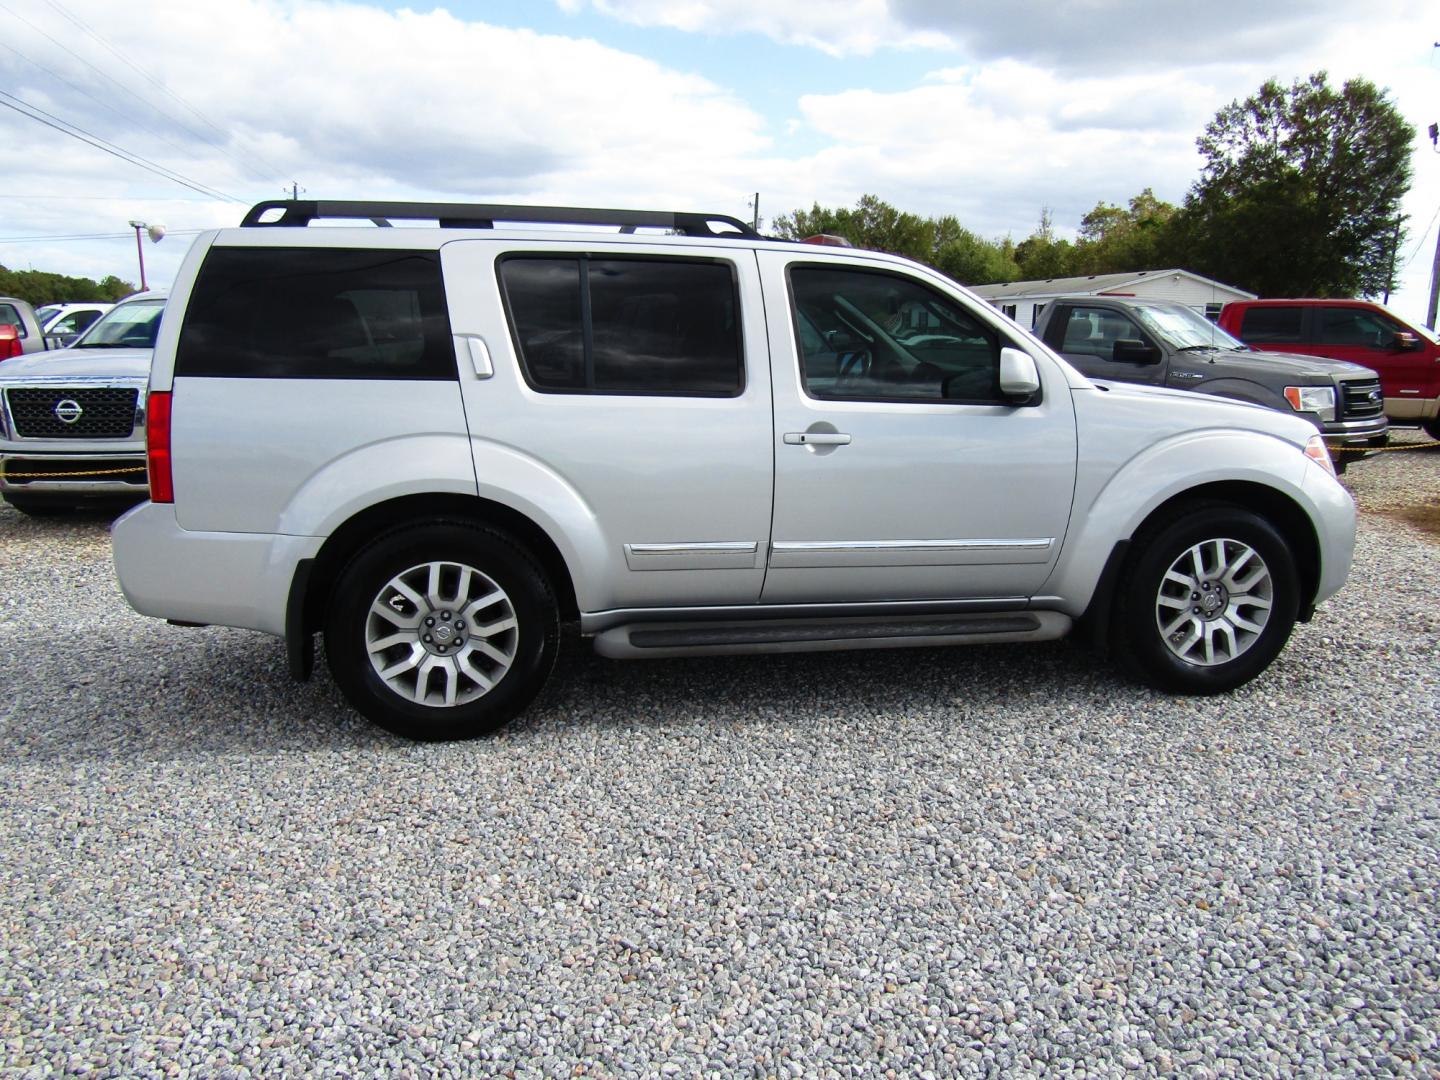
(351, 625)
(1432, 428)
(39, 507)
(1137, 634)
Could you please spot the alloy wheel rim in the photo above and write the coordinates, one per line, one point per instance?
(1214, 602)
(441, 634)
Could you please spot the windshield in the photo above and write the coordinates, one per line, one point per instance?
(43, 313)
(1181, 328)
(128, 326)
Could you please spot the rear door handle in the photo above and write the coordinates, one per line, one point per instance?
(816, 438)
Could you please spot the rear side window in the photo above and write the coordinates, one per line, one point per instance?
(1267, 324)
(625, 326)
(9, 316)
(284, 313)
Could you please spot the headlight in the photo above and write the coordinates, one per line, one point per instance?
(1318, 452)
(1317, 399)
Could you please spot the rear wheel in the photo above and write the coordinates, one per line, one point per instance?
(1432, 428)
(442, 631)
(1208, 600)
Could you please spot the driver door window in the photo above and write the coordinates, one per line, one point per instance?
(1094, 331)
(873, 336)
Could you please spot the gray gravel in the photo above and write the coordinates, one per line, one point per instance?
(973, 862)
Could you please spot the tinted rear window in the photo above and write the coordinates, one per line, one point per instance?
(317, 314)
(626, 326)
(1271, 324)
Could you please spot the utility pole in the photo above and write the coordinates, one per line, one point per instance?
(755, 213)
(295, 190)
(1434, 134)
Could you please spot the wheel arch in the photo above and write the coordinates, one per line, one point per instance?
(1273, 505)
(346, 540)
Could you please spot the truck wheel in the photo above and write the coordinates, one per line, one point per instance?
(1432, 428)
(1208, 600)
(441, 631)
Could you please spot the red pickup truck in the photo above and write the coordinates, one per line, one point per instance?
(1406, 357)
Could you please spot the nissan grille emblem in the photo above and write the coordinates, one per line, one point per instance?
(68, 411)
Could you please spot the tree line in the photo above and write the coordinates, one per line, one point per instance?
(41, 287)
(1299, 195)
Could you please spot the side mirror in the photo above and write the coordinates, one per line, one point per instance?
(1406, 341)
(1131, 351)
(1019, 377)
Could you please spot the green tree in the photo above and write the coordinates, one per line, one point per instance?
(1040, 256)
(873, 224)
(41, 287)
(939, 242)
(1113, 240)
(968, 258)
(1300, 194)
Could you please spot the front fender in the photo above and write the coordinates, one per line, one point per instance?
(1110, 509)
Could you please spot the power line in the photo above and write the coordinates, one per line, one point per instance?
(77, 132)
(274, 172)
(90, 236)
(103, 104)
(104, 198)
(1421, 242)
(125, 89)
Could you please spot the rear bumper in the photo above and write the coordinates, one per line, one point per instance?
(230, 579)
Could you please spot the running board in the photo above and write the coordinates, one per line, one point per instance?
(659, 640)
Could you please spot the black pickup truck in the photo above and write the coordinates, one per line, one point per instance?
(1163, 343)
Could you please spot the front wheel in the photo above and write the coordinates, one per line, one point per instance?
(1208, 600)
(442, 631)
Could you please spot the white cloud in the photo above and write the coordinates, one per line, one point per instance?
(357, 102)
(837, 27)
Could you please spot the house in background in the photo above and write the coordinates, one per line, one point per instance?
(1023, 300)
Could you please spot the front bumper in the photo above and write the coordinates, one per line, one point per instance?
(90, 474)
(1368, 432)
(224, 578)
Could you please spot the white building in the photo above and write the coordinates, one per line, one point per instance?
(1023, 300)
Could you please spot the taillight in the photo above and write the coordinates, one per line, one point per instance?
(9, 342)
(157, 446)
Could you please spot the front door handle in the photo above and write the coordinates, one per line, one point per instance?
(816, 438)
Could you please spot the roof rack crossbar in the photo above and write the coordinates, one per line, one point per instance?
(298, 213)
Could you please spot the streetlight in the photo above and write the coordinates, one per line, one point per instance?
(155, 232)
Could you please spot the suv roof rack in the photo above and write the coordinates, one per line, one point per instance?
(298, 213)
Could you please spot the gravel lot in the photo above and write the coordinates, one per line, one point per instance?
(972, 862)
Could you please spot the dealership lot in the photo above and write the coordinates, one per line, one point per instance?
(967, 861)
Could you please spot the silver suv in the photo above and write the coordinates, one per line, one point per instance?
(433, 445)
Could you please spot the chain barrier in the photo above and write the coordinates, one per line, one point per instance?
(8, 475)
(1379, 449)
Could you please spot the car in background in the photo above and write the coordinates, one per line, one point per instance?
(1405, 355)
(1164, 343)
(62, 324)
(72, 421)
(20, 330)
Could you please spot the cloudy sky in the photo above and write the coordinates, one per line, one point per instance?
(990, 112)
